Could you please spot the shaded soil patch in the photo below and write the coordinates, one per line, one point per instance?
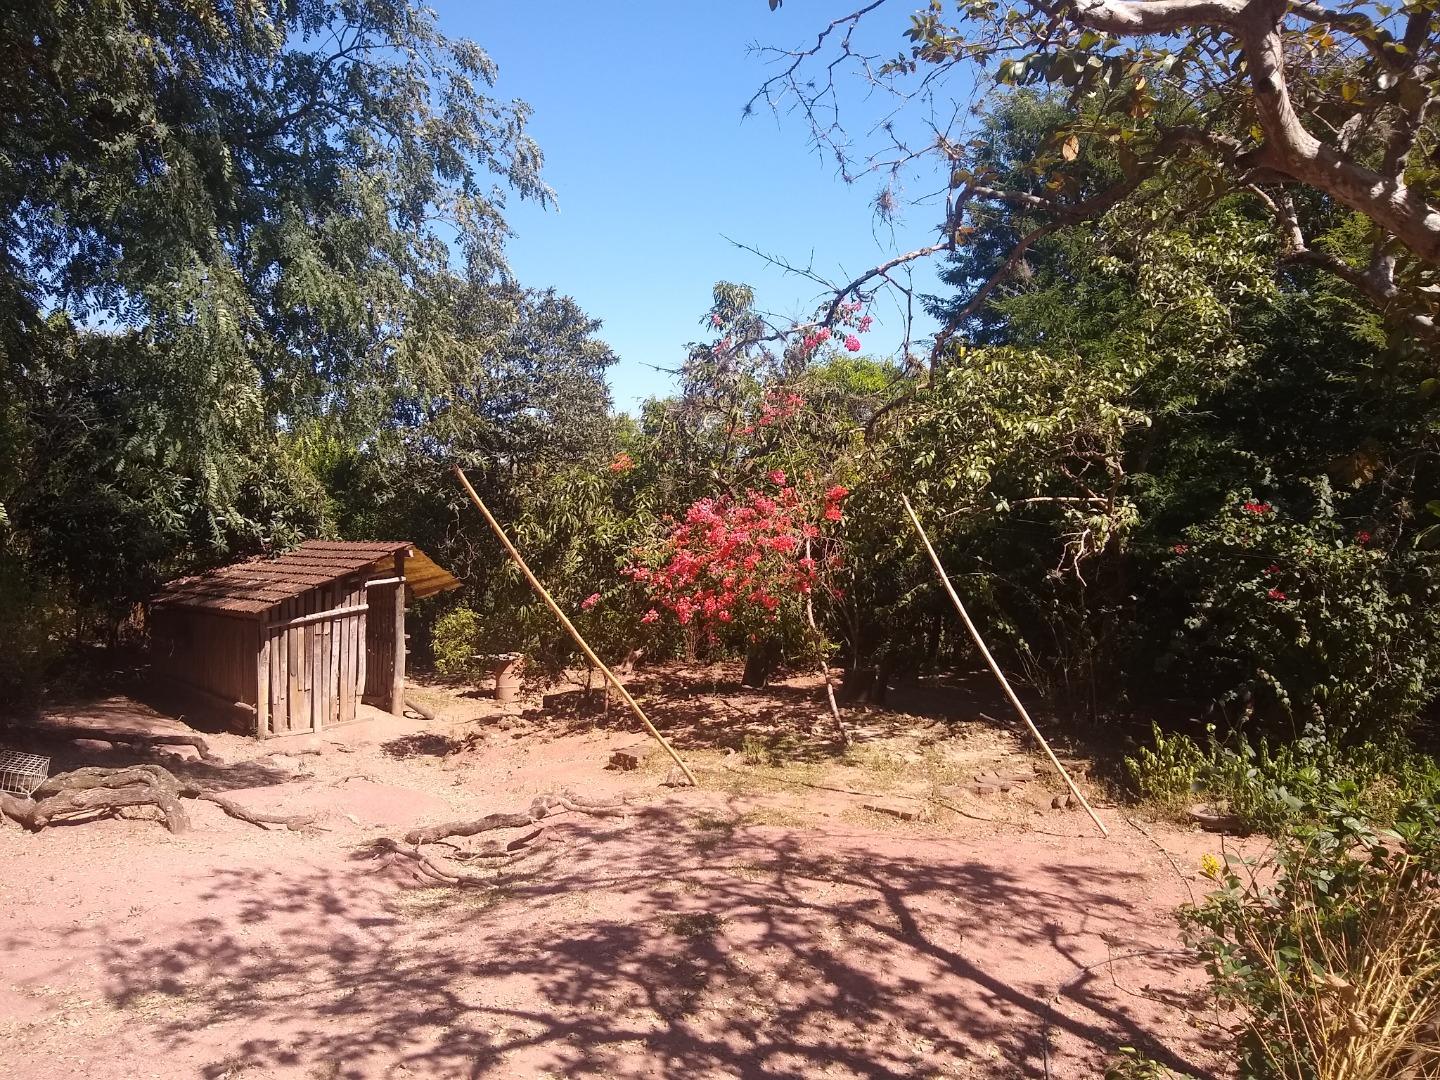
(763, 925)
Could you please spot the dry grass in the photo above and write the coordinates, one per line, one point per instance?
(443, 901)
(1370, 1007)
(692, 924)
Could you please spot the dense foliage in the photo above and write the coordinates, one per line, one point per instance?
(278, 342)
(253, 288)
(1182, 463)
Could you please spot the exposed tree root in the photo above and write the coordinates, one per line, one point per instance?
(434, 871)
(293, 822)
(540, 807)
(493, 855)
(92, 789)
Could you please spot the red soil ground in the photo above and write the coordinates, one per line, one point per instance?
(763, 925)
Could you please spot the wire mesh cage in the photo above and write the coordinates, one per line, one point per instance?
(20, 774)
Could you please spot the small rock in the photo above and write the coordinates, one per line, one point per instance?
(1017, 776)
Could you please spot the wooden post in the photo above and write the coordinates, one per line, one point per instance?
(280, 718)
(362, 653)
(995, 668)
(397, 684)
(262, 684)
(590, 655)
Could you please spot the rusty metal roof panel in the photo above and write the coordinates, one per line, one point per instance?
(424, 577)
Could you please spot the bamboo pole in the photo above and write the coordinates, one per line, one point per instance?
(544, 595)
(995, 667)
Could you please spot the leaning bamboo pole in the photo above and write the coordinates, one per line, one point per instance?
(544, 595)
(995, 667)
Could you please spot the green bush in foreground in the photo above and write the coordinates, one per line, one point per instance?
(1331, 947)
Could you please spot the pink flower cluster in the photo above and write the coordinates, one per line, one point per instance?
(847, 313)
(811, 342)
(732, 558)
(776, 407)
(1253, 507)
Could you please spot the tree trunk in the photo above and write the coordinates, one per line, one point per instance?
(856, 685)
(875, 692)
(760, 664)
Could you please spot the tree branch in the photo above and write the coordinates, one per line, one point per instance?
(1292, 149)
(1155, 16)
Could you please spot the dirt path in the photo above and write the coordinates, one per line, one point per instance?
(752, 928)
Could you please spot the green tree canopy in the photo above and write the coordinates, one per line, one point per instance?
(1321, 113)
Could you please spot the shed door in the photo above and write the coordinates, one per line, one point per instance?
(380, 645)
(316, 658)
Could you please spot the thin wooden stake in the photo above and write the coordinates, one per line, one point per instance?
(519, 561)
(994, 667)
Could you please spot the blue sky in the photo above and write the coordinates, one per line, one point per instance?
(638, 110)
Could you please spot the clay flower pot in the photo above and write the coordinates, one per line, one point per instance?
(507, 676)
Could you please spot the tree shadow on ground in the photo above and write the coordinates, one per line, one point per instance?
(662, 945)
(66, 735)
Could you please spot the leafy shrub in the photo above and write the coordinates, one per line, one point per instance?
(36, 625)
(1304, 615)
(1271, 787)
(1132, 1064)
(1166, 773)
(454, 641)
(1332, 947)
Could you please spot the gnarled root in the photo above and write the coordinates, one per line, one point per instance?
(540, 807)
(136, 739)
(493, 855)
(99, 790)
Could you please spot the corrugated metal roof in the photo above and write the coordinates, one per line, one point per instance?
(425, 577)
(252, 588)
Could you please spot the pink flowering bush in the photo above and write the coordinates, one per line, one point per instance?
(849, 322)
(749, 487)
(743, 564)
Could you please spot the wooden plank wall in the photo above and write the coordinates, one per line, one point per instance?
(293, 678)
(213, 653)
(315, 671)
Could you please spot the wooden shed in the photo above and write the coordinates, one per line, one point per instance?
(296, 643)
